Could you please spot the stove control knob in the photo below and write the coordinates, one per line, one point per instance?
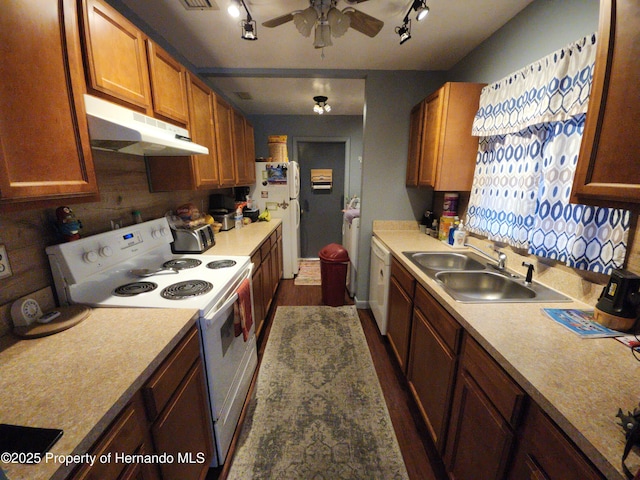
(106, 251)
(90, 257)
(161, 232)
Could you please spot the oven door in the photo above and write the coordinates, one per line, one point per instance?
(229, 362)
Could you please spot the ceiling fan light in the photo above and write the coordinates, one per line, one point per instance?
(338, 21)
(327, 107)
(322, 36)
(305, 20)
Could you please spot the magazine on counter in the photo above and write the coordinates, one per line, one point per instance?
(581, 322)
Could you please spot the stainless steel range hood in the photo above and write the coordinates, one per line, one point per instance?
(118, 129)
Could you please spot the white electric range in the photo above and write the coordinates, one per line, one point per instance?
(134, 267)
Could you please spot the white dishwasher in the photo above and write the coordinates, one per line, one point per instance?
(379, 278)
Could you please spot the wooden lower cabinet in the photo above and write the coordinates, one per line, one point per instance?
(182, 431)
(435, 342)
(401, 290)
(169, 415)
(486, 410)
(127, 435)
(545, 453)
(267, 272)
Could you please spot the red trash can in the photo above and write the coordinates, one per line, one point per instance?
(334, 260)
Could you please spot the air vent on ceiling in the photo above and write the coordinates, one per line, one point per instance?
(199, 4)
(244, 95)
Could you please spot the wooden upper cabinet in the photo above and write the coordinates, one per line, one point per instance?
(442, 151)
(250, 152)
(202, 131)
(608, 170)
(416, 119)
(168, 85)
(197, 172)
(116, 60)
(44, 138)
(244, 149)
(224, 135)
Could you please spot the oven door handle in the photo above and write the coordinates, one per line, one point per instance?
(230, 301)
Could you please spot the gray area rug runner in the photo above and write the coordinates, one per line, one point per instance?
(317, 411)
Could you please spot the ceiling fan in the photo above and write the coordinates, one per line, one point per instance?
(329, 21)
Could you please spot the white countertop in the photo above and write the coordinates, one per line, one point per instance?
(579, 383)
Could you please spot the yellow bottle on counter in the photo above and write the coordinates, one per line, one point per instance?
(446, 222)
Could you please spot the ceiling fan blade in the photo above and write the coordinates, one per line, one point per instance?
(276, 22)
(364, 23)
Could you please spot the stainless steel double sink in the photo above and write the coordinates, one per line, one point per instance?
(469, 278)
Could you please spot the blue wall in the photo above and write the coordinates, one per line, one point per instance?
(314, 126)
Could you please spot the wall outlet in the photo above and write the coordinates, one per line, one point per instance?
(5, 268)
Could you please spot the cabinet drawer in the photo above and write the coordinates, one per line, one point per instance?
(273, 238)
(440, 320)
(256, 259)
(169, 375)
(403, 277)
(279, 231)
(265, 248)
(504, 393)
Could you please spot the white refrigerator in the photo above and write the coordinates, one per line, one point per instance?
(277, 189)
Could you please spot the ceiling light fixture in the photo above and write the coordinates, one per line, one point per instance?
(234, 8)
(421, 9)
(404, 31)
(321, 105)
(249, 27)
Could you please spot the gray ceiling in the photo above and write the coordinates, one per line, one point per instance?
(282, 70)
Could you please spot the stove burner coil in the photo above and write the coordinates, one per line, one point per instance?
(186, 289)
(182, 263)
(135, 288)
(221, 264)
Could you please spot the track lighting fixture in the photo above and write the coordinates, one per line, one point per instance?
(249, 28)
(321, 105)
(234, 8)
(421, 9)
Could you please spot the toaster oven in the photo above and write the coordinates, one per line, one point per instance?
(192, 240)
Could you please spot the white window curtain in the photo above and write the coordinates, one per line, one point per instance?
(531, 126)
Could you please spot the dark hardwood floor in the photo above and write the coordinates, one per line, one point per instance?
(420, 456)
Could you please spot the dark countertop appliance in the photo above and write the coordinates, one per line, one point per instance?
(617, 307)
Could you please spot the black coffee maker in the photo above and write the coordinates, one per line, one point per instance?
(617, 307)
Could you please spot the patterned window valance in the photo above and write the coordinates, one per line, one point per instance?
(531, 125)
(554, 88)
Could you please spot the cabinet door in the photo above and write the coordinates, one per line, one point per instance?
(126, 435)
(116, 60)
(607, 169)
(168, 85)
(430, 138)
(545, 453)
(399, 323)
(184, 429)
(479, 439)
(250, 152)
(239, 149)
(258, 296)
(415, 144)
(203, 132)
(224, 136)
(432, 363)
(44, 138)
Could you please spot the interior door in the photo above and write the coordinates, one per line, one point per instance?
(321, 220)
